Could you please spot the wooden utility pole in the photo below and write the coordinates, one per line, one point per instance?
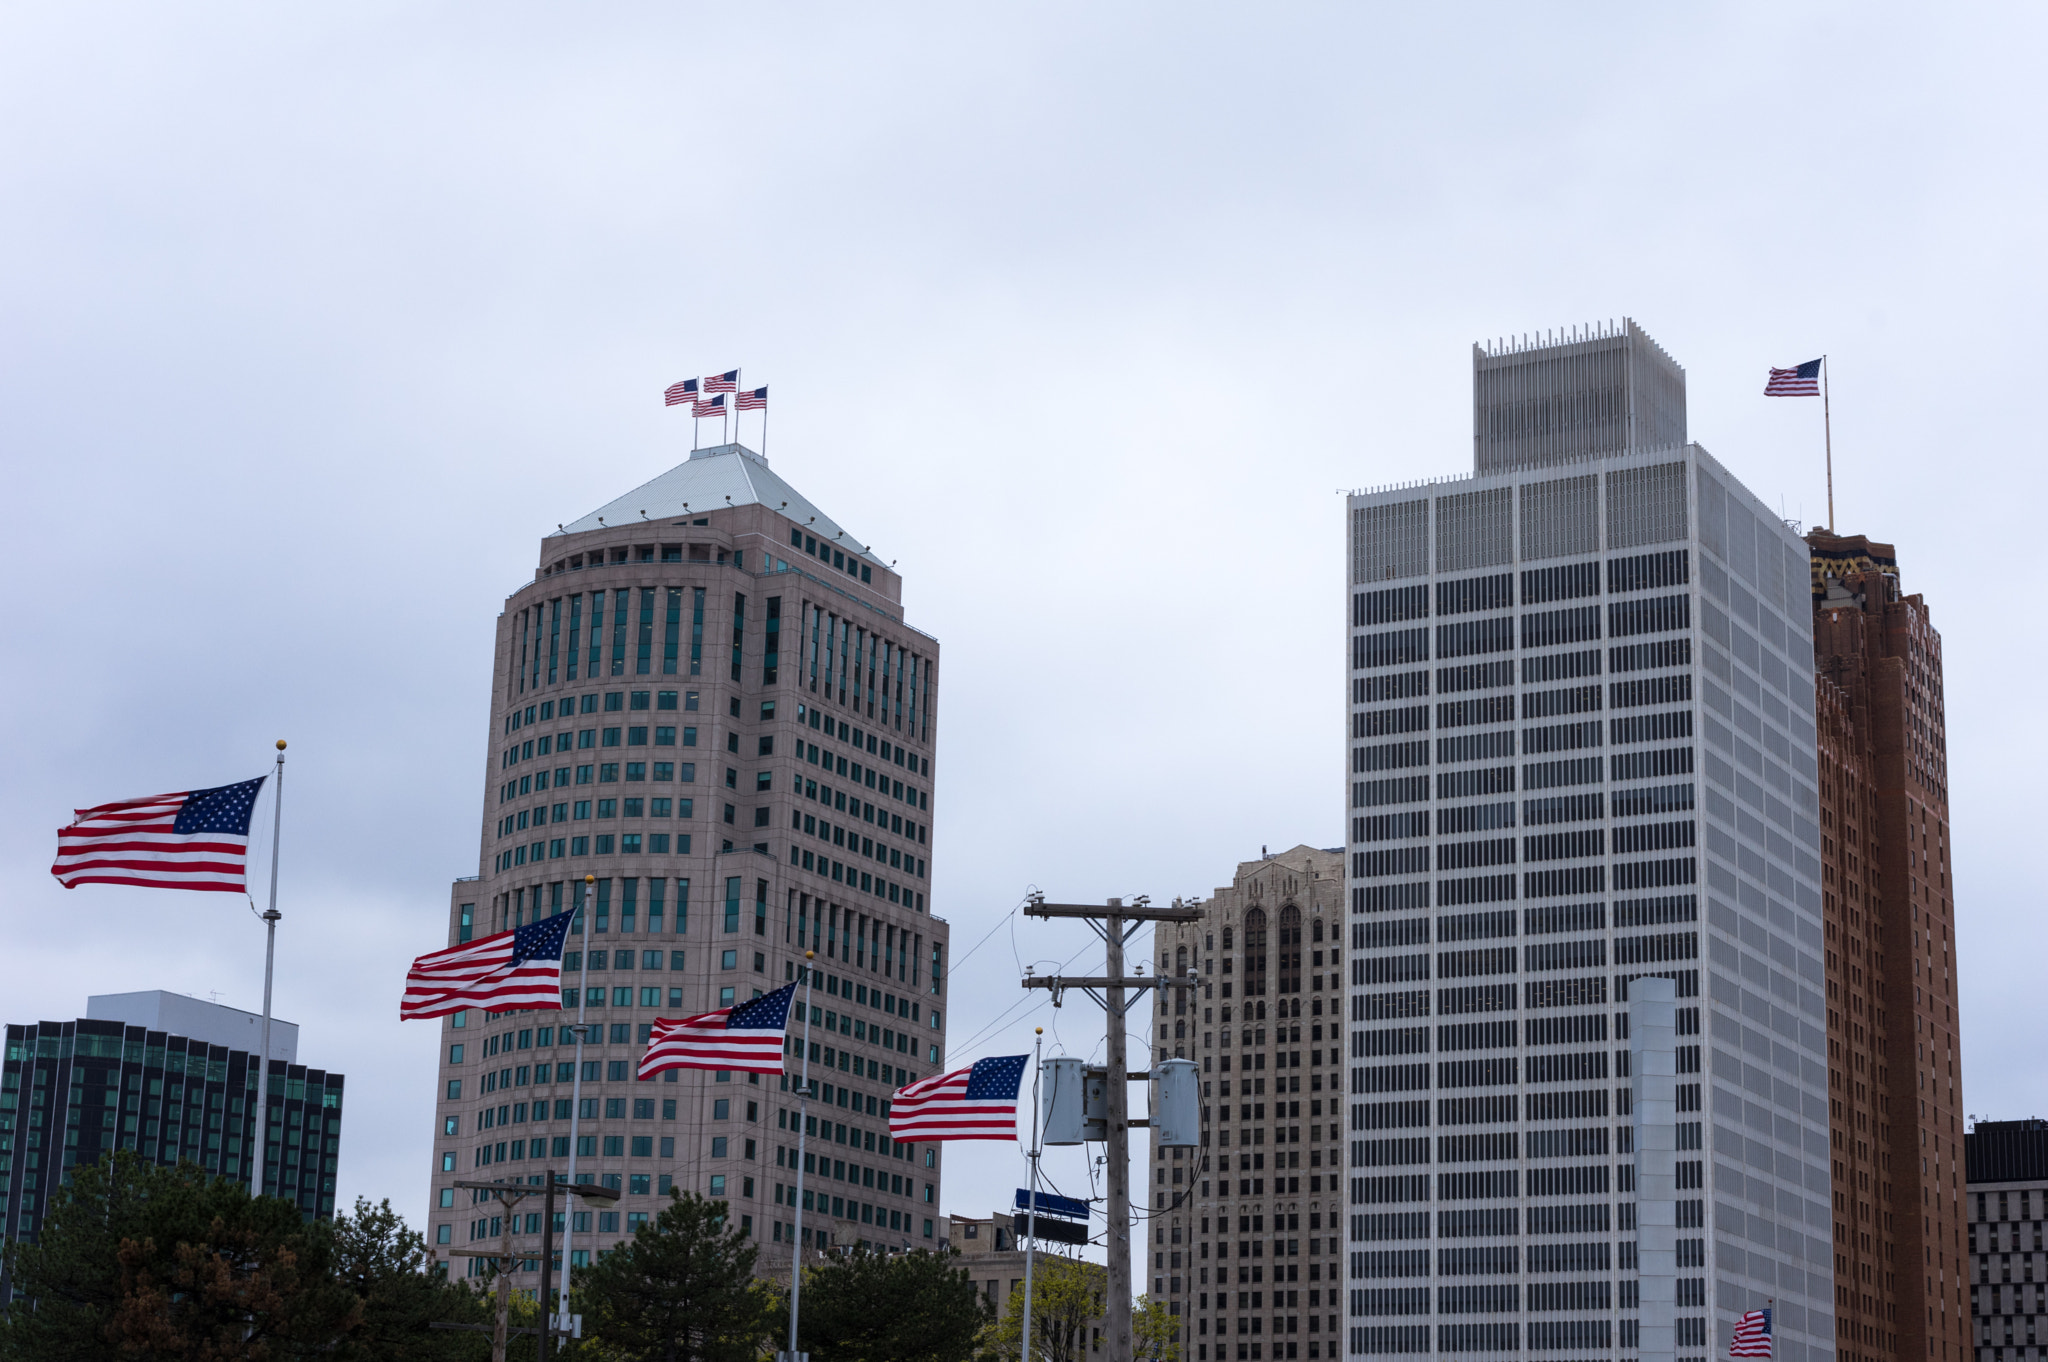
(1109, 923)
(509, 1195)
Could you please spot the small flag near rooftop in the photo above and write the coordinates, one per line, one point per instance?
(678, 393)
(1799, 381)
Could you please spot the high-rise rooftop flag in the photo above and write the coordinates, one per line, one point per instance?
(1752, 1335)
(515, 971)
(1801, 380)
(714, 406)
(678, 393)
(755, 399)
(192, 839)
(747, 1037)
(729, 381)
(978, 1103)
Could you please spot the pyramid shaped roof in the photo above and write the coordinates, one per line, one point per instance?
(712, 479)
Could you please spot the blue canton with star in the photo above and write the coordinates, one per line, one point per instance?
(769, 1012)
(997, 1078)
(225, 808)
(541, 940)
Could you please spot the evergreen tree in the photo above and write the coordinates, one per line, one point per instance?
(867, 1306)
(680, 1290)
(384, 1265)
(142, 1261)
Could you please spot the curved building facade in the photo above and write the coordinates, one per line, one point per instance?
(708, 708)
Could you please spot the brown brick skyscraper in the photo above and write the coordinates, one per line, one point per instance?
(1896, 1122)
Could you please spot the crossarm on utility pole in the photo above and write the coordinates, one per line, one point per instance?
(1101, 981)
(1129, 912)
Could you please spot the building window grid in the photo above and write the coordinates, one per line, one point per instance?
(1686, 660)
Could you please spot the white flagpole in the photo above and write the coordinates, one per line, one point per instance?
(270, 918)
(1031, 1211)
(1828, 432)
(575, 1098)
(803, 1095)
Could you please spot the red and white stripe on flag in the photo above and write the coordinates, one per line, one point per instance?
(515, 971)
(190, 839)
(1752, 1336)
(975, 1103)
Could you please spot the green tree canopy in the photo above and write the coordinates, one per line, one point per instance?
(869, 1306)
(1067, 1297)
(139, 1261)
(680, 1290)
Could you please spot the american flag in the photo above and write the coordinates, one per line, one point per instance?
(678, 393)
(515, 971)
(978, 1103)
(193, 839)
(753, 400)
(729, 381)
(1801, 381)
(709, 407)
(748, 1036)
(1752, 1335)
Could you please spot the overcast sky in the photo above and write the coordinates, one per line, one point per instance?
(314, 318)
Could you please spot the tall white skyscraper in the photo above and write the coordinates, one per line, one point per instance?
(1582, 752)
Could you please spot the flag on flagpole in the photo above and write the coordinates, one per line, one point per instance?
(515, 971)
(714, 406)
(729, 381)
(192, 839)
(753, 400)
(1752, 1335)
(977, 1103)
(678, 393)
(748, 1037)
(1799, 381)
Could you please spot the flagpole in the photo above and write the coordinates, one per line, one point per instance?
(1828, 429)
(1031, 1210)
(803, 1095)
(575, 1096)
(764, 429)
(270, 918)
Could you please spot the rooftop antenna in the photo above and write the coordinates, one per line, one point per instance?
(643, 513)
(600, 520)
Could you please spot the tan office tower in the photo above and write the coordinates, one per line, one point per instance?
(1245, 1229)
(1895, 1114)
(708, 699)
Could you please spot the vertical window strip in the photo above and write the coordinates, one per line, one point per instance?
(643, 661)
(739, 630)
(844, 643)
(697, 633)
(554, 639)
(575, 633)
(771, 644)
(620, 598)
(655, 907)
(527, 643)
(682, 907)
(539, 613)
(672, 628)
(596, 666)
(817, 620)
